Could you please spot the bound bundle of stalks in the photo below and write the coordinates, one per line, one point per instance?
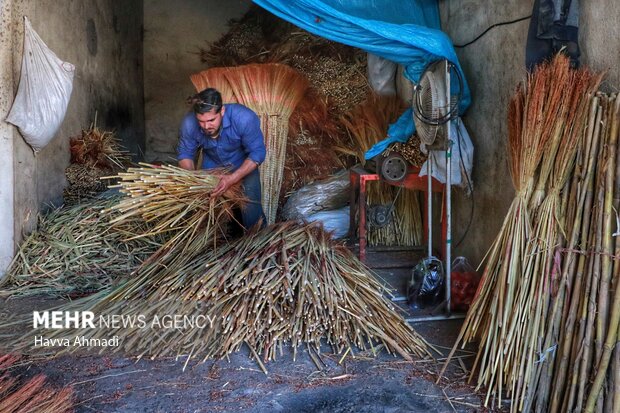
(84, 183)
(272, 91)
(74, 252)
(367, 124)
(582, 373)
(34, 395)
(94, 154)
(98, 149)
(509, 313)
(177, 205)
(283, 284)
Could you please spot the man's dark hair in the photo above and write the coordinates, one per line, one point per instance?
(206, 101)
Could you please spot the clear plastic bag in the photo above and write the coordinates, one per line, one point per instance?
(45, 87)
(329, 194)
(335, 221)
(463, 284)
(382, 75)
(426, 287)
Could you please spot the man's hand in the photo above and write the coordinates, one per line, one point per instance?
(226, 181)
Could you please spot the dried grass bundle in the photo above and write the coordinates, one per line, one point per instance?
(98, 149)
(32, 396)
(283, 284)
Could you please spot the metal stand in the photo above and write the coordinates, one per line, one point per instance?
(359, 177)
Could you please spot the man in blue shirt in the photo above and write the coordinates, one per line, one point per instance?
(230, 137)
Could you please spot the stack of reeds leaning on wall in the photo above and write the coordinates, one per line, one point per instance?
(542, 312)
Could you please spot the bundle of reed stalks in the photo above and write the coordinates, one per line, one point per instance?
(410, 150)
(177, 205)
(74, 251)
(33, 395)
(285, 284)
(509, 315)
(582, 373)
(367, 124)
(84, 183)
(272, 91)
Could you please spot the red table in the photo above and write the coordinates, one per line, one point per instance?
(359, 176)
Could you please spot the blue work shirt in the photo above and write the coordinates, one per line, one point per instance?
(240, 139)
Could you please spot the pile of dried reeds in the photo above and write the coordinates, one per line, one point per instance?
(511, 314)
(75, 251)
(94, 154)
(368, 124)
(285, 284)
(272, 91)
(167, 213)
(32, 396)
(178, 206)
(335, 71)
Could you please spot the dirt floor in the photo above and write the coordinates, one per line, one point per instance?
(357, 383)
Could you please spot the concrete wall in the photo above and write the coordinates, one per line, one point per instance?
(174, 32)
(103, 39)
(493, 66)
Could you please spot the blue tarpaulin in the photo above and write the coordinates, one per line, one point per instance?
(405, 31)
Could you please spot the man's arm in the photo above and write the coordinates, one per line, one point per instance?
(226, 181)
(187, 164)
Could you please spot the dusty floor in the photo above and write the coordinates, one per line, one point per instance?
(112, 383)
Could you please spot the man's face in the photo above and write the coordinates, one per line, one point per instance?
(210, 122)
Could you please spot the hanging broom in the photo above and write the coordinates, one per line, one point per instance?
(272, 91)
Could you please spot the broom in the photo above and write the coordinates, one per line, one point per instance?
(272, 91)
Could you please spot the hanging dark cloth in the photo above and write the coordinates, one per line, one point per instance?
(554, 26)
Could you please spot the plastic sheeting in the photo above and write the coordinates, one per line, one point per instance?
(405, 32)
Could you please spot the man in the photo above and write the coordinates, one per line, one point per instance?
(230, 137)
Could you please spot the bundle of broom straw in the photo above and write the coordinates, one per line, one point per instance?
(286, 284)
(272, 91)
(547, 119)
(32, 396)
(368, 124)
